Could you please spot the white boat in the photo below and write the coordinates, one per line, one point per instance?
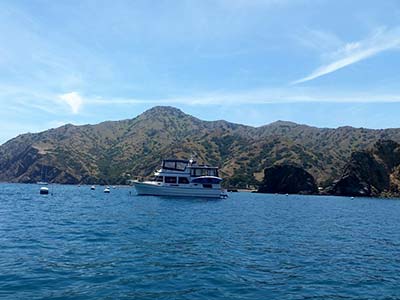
(107, 190)
(93, 187)
(182, 178)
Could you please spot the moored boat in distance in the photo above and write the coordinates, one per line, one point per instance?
(44, 190)
(182, 178)
(43, 176)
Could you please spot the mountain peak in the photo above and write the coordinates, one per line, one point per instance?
(170, 110)
(282, 123)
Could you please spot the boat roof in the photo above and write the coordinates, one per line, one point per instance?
(181, 164)
(177, 160)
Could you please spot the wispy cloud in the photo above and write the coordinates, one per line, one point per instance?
(319, 40)
(263, 96)
(382, 39)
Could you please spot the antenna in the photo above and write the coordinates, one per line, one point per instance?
(192, 158)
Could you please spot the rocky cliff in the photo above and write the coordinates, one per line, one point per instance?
(288, 179)
(373, 172)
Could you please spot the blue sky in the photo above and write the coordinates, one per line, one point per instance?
(322, 63)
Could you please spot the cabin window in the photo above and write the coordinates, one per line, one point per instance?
(170, 179)
(179, 165)
(169, 165)
(183, 180)
(212, 172)
(159, 178)
(199, 172)
(207, 186)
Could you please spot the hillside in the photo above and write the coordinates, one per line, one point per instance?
(110, 152)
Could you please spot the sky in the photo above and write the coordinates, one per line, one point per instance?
(318, 62)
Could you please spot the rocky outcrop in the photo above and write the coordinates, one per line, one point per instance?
(363, 176)
(374, 172)
(288, 179)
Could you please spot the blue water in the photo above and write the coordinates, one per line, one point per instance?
(82, 244)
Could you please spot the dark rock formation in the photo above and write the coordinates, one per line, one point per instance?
(288, 179)
(373, 172)
(363, 176)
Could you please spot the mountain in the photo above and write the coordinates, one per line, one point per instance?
(372, 172)
(111, 152)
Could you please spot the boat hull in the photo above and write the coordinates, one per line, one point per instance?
(143, 188)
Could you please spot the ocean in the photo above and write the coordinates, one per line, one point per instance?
(81, 244)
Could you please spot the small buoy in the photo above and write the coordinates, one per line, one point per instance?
(44, 190)
(287, 194)
(352, 198)
(92, 187)
(107, 190)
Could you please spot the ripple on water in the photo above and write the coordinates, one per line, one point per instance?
(82, 244)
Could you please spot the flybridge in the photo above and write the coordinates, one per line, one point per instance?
(191, 166)
(175, 164)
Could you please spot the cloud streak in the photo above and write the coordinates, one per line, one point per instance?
(61, 105)
(381, 40)
(264, 96)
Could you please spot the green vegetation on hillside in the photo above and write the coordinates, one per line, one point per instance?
(107, 152)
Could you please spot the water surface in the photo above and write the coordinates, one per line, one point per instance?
(83, 244)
